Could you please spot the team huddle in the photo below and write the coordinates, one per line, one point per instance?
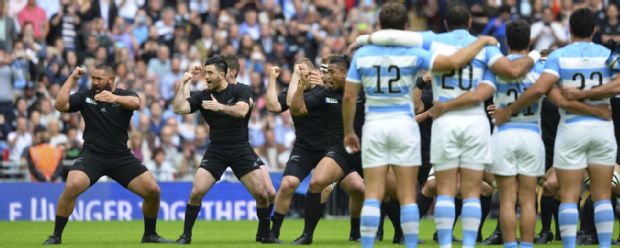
(365, 124)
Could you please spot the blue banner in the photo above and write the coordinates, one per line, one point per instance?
(110, 201)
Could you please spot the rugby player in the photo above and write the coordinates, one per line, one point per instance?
(107, 111)
(224, 107)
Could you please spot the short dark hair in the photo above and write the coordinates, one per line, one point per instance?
(582, 23)
(107, 69)
(518, 34)
(457, 16)
(505, 8)
(218, 62)
(393, 16)
(343, 61)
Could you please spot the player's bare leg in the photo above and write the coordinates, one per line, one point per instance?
(283, 200)
(256, 184)
(77, 183)
(600, 190)
(527, 203)
(508, 187)
(203, 181)
(146, 187)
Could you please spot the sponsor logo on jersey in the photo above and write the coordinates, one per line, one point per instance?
(331, 100)
(90, 101)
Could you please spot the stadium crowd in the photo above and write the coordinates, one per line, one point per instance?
(151, 43)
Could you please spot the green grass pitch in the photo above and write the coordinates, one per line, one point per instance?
(330, 233)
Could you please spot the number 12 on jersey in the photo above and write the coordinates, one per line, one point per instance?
(392, 70)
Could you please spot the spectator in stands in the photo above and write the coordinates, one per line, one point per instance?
(127, 9)
(161, 169)
(157, 122)
(47, 112)
(44, 160)
(497, 27)
(168, 80)
(55, 136)
(250, 25)
(169, 142)
(201, 143)
(161, 65)
(548, 33)
(165, 26)
(139, 147)
(19, 139)
(6, 84)
(36, 15)
(65, 24)
(8, 29)
(610, 30)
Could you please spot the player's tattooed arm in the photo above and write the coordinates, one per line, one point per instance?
(463, 56)
(180, 105)
(544, 83)
(271, 96)
(62, 100)
(603, 111)
(298, 105)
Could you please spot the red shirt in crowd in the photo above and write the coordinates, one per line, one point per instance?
(36, 15)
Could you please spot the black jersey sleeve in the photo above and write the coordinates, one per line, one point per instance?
(314, 99)
(195, 101)
(282, 100)
(243, 94)
(76, 101)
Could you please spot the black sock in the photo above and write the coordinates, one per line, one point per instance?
(458, 205)
(424, 203)
(355, 228)
(587, 217)
(263, 221)
(149, 226)
(276, 224)
(59, 225)
(191, 213)
(313, 212)
(384, 206)
(393, 212)
(556, 206)
(546, 212)
(485, 205)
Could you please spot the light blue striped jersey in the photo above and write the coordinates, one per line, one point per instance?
(581, 65)
(507, 90)
(388, 76)
(448, 85)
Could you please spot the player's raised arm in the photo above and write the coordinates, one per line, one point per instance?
(273, 105)
(298, 105)
(62, 100)
(463, 56)
(555, 95)
(292, 86)
(180, 105)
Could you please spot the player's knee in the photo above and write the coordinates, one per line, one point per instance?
(152, 191)
(316, 185)
(357, 190)
(73, 189)
(430, 188)
(289, 186)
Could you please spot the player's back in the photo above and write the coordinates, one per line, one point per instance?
(509, 89)
(448, 85)
(581, 65)
(388, 75)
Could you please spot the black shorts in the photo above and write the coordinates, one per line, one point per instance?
(256, 157)
(301, 162)
(615, 108)
(349, 163)
(241, 160)
(122, 167)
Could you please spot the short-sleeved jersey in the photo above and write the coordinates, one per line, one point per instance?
(332, 105)
(310, 130)
(107, 124)
(507, 90)
(448, 85)
(388, 76)
(226, 130)
(582, 65)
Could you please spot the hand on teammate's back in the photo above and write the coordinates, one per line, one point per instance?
(502, 116)
(490, 40)
(572, 93)
(437, 110)
(491, 110)
(604, 111)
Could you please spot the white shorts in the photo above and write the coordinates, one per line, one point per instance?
(581, 144)
(517, 151)
(461, 141)
(394, 141)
